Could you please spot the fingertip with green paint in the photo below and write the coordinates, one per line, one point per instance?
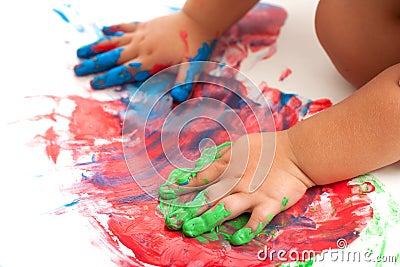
(245, 235)
(205, 222)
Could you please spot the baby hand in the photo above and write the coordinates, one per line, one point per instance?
(240, 180)
(133, 52)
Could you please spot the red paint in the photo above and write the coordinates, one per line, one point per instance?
(158, 67)
(285, 74)
(52, 148)
(257, 31)
(183, 35)
(100, 48)
(91, 119)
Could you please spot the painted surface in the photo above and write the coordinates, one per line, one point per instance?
(127, 219)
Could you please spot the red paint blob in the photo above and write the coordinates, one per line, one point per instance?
(285, 74)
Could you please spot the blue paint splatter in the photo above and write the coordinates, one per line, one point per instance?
(74, 202)
(101, 63)
(62, 15)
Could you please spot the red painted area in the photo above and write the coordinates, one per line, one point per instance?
(184, 35)
(285, 74)
(104, 47)
(52, 148)
(91, 120)
(158, 67)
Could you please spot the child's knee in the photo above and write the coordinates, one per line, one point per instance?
(361, 37)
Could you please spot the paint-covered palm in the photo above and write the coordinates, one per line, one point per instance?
(133, 52)
(250, 176)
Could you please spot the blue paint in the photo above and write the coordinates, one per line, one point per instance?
(101, 63)
(182, 92)
(142, 75)
(87, 50)
(108, 30)
(117, 76)
(135, 65)
(62, 15)
(120, 75)
(74, 202)
(133, 199)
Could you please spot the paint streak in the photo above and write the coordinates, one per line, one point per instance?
(285, 74)
(184, 35)
(128, 217)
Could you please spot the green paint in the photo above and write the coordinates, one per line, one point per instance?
(245, 235)
(285, 201)
(270, 217)
(314, 209)
(386, 214)
(182, 176)
(202, 239)
(176, 213)
(206, 181)
(206, 222)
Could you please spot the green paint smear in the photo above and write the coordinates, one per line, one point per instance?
(206, 222)
(384, 216)
(175, 212)
(245, 235)
(285, 201)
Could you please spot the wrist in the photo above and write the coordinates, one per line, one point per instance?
(283, 141)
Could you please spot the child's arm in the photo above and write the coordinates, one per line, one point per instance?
(358, 135)
(135, 51)
(217, 16)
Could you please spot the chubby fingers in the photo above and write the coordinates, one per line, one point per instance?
(102, 45)
(105, 61)
(132, 71)
(120, 28)
(227, 208)
(262, 214)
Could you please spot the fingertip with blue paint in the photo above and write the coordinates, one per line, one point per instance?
(181, 92)
(101, 63)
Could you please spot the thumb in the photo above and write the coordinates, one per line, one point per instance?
(212, 164)
(187, 76)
